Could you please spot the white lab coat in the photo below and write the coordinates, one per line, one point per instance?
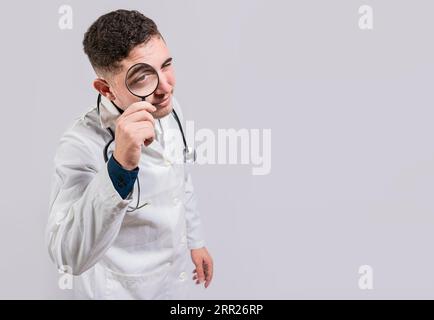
(112, 253)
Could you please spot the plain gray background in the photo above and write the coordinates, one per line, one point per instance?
(351, 114)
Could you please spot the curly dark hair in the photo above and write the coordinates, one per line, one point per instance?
(113, 35)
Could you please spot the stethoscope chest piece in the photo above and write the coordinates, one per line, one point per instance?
(189, 155)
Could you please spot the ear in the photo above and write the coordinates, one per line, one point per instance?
(103, 87)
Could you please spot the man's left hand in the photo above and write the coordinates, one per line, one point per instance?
(204, 266)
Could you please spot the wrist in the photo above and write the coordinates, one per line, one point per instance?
(123, 164)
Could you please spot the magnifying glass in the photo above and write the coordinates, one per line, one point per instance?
(141, 80)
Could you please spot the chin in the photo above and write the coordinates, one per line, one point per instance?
(162, 112)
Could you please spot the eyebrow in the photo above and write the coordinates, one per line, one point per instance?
(134, 72)
(170, 59)
(166, 61)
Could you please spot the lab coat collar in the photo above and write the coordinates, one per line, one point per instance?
(108, 114)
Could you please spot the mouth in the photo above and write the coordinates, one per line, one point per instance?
(163, 103)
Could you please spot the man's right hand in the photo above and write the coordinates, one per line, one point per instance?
(134, 127)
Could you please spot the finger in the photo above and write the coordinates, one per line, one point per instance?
(141, 115)
(140, 125)
(200, 273)
(147, 142)
(148, 138)
(141, 105)
(209, 269)
(144, 131)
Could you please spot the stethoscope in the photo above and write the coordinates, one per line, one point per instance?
(142, 80)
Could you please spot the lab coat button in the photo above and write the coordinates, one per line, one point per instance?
(183, 276)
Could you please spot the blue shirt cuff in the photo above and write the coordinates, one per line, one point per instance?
(122, 179)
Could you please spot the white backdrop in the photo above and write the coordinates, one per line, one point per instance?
(350, 112)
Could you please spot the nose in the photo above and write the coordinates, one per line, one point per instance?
(163, 85)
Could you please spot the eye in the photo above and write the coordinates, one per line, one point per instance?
(167, 64)
(141, 78)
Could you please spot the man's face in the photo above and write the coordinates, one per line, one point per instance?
(156, 54)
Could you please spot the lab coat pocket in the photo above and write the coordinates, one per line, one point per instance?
(139, 229)
(147, 286)
(151, 223)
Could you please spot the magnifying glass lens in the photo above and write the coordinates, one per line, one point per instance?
(142, 80)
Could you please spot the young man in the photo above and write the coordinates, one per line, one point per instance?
(123, 214)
